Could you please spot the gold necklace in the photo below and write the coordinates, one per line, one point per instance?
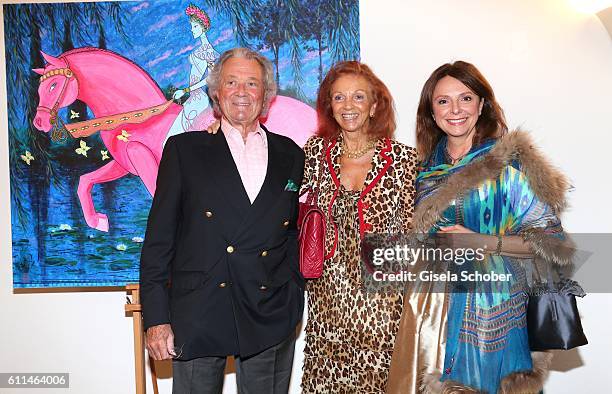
(356, 154)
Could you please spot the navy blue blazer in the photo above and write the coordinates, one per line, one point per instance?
(222, 271)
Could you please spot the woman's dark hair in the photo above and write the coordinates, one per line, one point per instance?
(491, 122)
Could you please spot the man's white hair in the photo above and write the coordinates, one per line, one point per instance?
(214, 77)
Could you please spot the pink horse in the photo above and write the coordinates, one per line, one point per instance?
(110, 84)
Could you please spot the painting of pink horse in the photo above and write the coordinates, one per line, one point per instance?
(95, 89)
(117, 91)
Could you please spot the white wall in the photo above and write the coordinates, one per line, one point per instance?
(551, 69)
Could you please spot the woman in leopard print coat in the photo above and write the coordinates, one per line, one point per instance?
(366, 185)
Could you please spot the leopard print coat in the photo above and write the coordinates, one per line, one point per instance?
(350, 331)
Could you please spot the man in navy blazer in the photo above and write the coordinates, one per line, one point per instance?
(219, 271)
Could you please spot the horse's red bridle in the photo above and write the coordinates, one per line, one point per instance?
(68, 74)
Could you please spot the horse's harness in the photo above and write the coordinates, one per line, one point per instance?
(66, 72)
(53, 119)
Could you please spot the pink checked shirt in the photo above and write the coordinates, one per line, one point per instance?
(251, 158)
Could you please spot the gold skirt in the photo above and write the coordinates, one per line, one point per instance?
(421, 338)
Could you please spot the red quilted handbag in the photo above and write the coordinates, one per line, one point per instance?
(312, 240)
(312, 233)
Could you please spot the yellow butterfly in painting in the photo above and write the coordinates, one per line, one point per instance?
(82, 150)
(74, 114)
(27, 157)
(124, 136)
(104, 155)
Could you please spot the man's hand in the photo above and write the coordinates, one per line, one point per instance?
(160, 342)
(213, 127)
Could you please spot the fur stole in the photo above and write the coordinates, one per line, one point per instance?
(546, 181)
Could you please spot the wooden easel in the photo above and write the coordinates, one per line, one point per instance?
(133, 306)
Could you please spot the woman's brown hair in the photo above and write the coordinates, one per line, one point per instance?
(383, 122)
(491, 122)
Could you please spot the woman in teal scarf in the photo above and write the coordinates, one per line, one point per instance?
(478, 179)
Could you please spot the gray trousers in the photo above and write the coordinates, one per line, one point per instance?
(266, 372)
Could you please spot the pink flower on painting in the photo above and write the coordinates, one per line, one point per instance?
(199, 14)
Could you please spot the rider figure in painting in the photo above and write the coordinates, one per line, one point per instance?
(201, 60)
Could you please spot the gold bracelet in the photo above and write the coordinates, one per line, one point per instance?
(187, 90)
(499, 245)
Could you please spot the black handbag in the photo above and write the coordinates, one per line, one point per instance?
(553, 321)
